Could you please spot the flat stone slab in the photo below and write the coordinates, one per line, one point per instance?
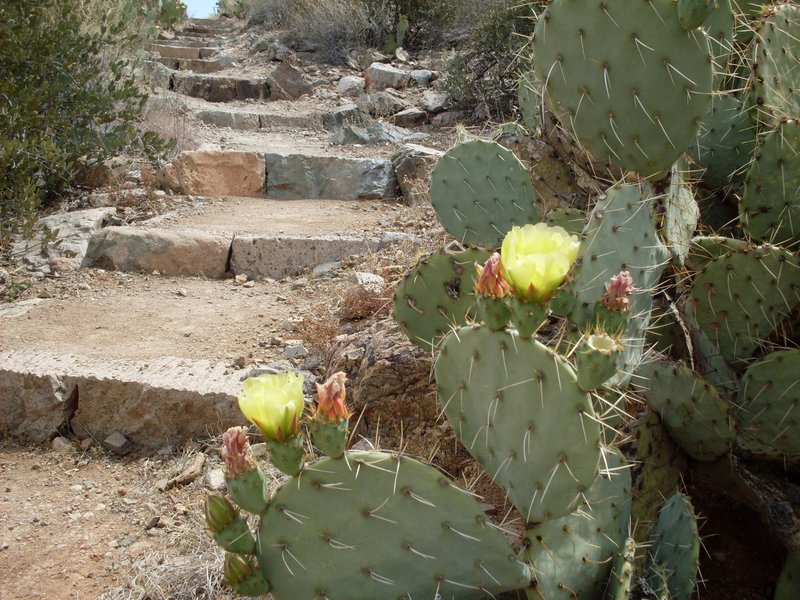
(175, 52)
(291, 176)
(217, 173)
(217, 88)
(194, 253)
(155, 403)
(260, 257)
(196, 65)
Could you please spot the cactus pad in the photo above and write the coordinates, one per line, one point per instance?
(517, 408)
(620, 236)
(379, 526)
(676, 546)
(479, 190)
(741, 298)
(571, 556)
(769, 405)
(437, 295)
(777, 78)
(770, 206)
(631, 84)
(726, 141)
(691, 408)
(621, 581)
(530, 101)
(681, 214)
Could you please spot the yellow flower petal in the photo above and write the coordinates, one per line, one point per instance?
(536, 259)
(274, 403)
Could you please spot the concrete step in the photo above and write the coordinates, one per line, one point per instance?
(196, 65)
(283, 175)
(257, 237)
(182, 52)
(189, 43)
(43, 392)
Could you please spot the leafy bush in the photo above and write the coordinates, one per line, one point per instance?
(69, 103)
(489, 69)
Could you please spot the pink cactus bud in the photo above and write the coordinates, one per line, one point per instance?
(234, 451)
(491, 281)
(618, 292)
(330, 405)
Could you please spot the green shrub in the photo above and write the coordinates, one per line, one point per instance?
(69, 103)
(488, 70)
(172, 12)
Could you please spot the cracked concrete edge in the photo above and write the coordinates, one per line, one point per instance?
(155, 403)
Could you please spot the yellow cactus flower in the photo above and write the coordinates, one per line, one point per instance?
(536, 259)
(274, 403)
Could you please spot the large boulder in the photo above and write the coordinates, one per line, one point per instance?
(379, 76)
(287, 83)
(382, 104)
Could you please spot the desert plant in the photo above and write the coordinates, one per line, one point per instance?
(70, 102)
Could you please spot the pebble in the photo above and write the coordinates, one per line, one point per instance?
(61, 444)
(118, 444)
(214, 479)
(295, 351)
(182, 292)
(249, 284)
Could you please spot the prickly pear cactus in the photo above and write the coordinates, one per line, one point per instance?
(777, 79)
(741, 298)
(726, 141)
(621, 581)
(479, 190)
(693, 13)
(517, 408)
(631, 85)
(692, 410)
(379, 526)
(572, 556)
(437, 295)
(530, 101)
(768, 405)
(681, 214)
(675, 547)
(770, 207)
(620, 236)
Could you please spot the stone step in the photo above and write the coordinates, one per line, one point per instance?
(257, 237)
(203, 66)
(182, 52)
(155, 403)
(188, 43)
(281, 175)
(282, 82)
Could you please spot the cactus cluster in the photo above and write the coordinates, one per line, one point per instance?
(540, 339)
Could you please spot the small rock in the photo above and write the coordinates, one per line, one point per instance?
(61, 444)
(326, 268)
(449, 118)
(249, 284)
(369, 281)
(421, 77)
(300, 282)
(240, 362)
(433, 101)
(295, 351)
(118, 444)
(86, 444)
(165, 522)
(382, 104)
(182, 292)
(402, 55)
(240, 279)
(214, 479)
(152, 522)
(84, 286)
(379, 76)
(410, 117)
(351, 86)
(348, 113)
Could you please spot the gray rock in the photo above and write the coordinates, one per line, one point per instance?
(434, 101)
(449, 118)
(18, 309)
(382, 104)
(72, 233)
(228, 60)
(296, 350)
(369, 281)
(214, 480)
(118, 444)
(379, 76)
(233, 120)
(300, 176)
(421, 77)
(193, 253)
(410, 117)
(412, 167)
(287, 83)
(327, 269)
(156, 74)
(351, 86)
(219, 89)
(374, 133)
(271, 49)
(349, 113)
